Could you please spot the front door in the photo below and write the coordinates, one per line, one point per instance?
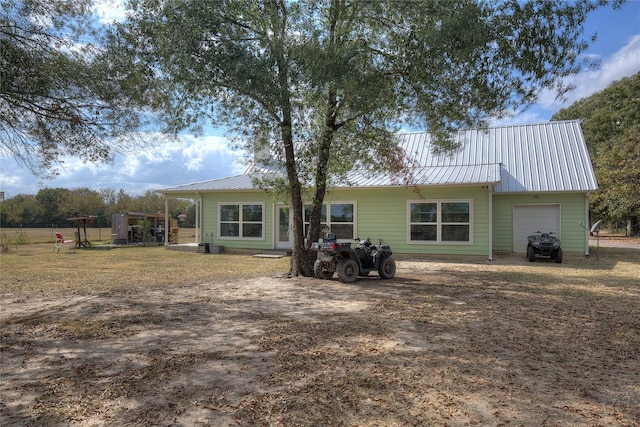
(283, 227)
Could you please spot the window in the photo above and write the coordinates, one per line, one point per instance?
(424, 221)
(337, 217)
(440, 221)
(241, 221)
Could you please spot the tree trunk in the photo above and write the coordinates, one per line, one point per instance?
(299, 263)
(297, 267)
(298, 255)
(633, 226)
(324, 149)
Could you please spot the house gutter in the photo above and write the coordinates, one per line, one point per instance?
(490, 188)
(198, 217)
(586, 221)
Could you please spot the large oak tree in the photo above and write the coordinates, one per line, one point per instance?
(325, 84)
(57, 98)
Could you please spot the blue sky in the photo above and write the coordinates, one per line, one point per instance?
(208, 157)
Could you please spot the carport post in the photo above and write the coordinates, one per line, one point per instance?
(167, 226)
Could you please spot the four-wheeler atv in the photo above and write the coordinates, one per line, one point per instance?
(350, 262)
(544, 244)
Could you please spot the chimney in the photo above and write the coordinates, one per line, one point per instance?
(261, 149)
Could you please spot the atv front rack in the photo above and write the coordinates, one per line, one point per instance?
(330, 246)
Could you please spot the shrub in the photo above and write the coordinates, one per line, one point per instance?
(7, 243)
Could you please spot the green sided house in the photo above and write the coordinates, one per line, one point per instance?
(498, 186)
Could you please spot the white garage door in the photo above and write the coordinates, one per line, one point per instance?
(527, 219)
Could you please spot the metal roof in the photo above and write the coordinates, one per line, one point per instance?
(428, 175)
(543, 157)
(232, 183)
(539, 157)
(550, 156)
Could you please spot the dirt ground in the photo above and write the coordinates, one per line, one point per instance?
(442, 344)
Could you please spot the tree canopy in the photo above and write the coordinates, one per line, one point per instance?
(325, 84)
(611, 126)
(56, 97)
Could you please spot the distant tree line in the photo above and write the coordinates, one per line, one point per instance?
(51, 207)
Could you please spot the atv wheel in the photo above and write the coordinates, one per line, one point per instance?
(559, 256)
(323, 270)
(387, 268)
(531, 253)
(347, 270)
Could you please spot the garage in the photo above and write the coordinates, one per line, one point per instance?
(527, 219)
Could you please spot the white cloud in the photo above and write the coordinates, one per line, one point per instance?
(9, 180)
(164, 164)
(110, 10)
(198, 150)
(519, 119)
(625, 62)
(129, 165)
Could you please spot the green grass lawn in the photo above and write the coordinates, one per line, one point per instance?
(37, 268)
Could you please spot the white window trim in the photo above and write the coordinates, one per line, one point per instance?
(339, 202)
(240, 222)
(439, 240)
